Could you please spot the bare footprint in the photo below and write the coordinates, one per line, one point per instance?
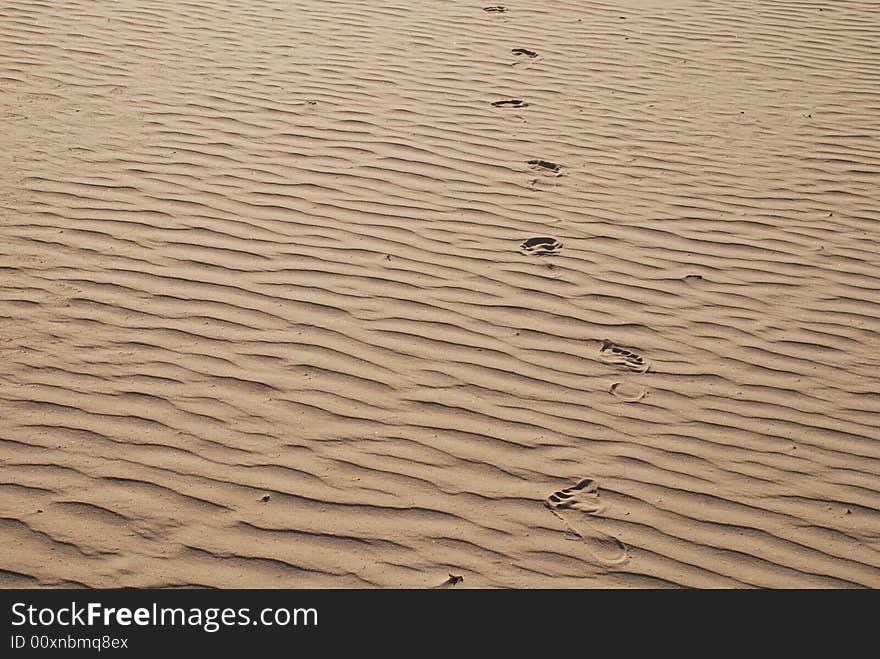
(627, 393)
(510, 103)
(546, 166)
(541, 246)
(574, 506)
(611, 353)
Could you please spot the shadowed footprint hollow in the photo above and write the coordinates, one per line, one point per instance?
(541, 246)
(575, 506)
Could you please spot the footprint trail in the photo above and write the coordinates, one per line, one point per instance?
(574, 506)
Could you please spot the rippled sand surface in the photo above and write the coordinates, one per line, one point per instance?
(271, 314)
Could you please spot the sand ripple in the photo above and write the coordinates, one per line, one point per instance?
(272, 248)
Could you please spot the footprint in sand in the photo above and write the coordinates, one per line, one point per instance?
(627, 393)
(546, 166)
(495, 8)
(524, 51)
(574, 506)
(541, 246)
(510, 103)
(611, 353)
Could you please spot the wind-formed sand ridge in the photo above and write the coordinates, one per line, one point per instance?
(280, 248)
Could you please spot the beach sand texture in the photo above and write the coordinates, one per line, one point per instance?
(270, 315)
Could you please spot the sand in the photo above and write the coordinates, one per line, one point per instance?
(270, 314)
